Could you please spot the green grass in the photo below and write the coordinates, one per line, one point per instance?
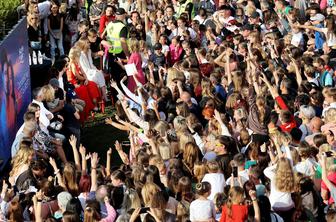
(98, 137)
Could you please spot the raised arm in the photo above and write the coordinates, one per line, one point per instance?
(116, 125)
(94, 163)
(57, 172)
(37, 201)
(256, 208)
(73, 142)
(297, 71)
(219, 60)
(309, 27)
(82, 151)
(108, 162)
(121, 153)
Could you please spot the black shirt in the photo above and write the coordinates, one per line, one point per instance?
(33, 34)
(68, 113)
(95, 46)
(55, 21)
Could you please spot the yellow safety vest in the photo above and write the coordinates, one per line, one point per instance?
(182, 8)
(113, 30)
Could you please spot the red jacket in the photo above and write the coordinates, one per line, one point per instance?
(285, 127)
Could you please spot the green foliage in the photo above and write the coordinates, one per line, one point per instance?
(8, 14)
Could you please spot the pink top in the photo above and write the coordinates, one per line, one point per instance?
(175, 53)
(136, 59)
(111, 213)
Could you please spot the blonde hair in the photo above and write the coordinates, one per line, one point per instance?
(83, 44)
(173, 74)
(199, 171)
(30, 16)
(48, 93)
(330, 116)
(21, 158)
(236, 194)
(134, 45)
(165, 151)
(148, 191)
(161, 127)
(74, 54)
(213, 166)
(184, 139)
(284, 176)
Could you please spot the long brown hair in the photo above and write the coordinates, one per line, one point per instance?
(190, 155)
(70, 180)
(15, 212)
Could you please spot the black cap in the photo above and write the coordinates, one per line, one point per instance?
(120, 11)
(157, 46)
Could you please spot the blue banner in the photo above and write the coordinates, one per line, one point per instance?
(15, 93)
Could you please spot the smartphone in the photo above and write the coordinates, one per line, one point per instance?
(235, 171)
(328, 154)
(144, 210)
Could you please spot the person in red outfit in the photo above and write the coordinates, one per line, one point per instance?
(85, 89)
(234, 210)
(107, 18)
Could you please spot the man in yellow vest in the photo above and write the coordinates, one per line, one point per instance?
(116, 35)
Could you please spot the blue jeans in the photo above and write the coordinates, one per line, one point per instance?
(56, 43)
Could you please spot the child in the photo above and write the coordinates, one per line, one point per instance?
(202, 209)
(215, 178)
(233, 210)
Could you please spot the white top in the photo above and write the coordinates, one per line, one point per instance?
(60, 82)
(243, 175)
(201, 20)
(297, 39)
(306, 167)
(165, 48)
(91, 71)
(277, 198)
(331, 37)
(217, 182)
(201, 210)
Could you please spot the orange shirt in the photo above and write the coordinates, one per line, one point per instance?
(239, 214)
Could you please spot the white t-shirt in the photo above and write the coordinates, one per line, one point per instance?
(278, 199)
(217, 182)
(201, 210)
(306, 167)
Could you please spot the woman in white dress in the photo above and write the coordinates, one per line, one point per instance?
(86, 63)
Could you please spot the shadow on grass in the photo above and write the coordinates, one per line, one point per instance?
(98, 137)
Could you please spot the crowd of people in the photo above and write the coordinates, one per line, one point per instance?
(229, 106)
